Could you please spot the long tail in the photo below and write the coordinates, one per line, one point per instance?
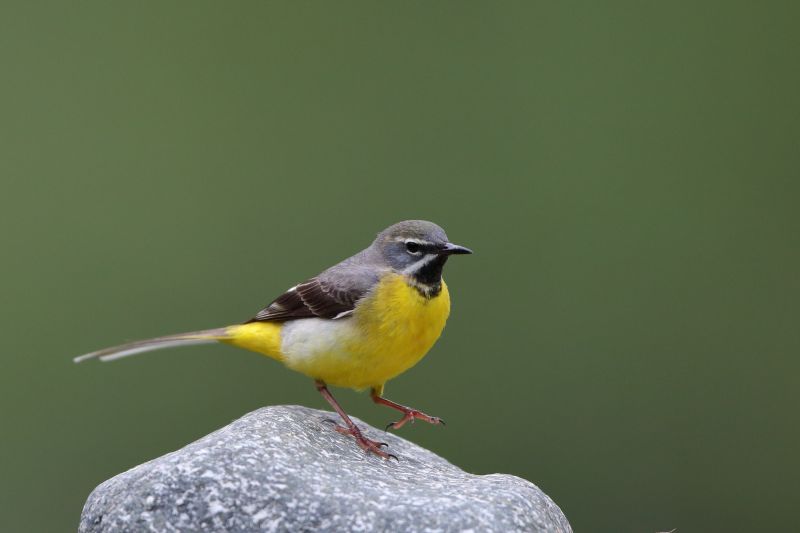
(132, 348)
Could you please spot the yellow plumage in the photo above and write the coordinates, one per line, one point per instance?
(261, 337)
(389, 332)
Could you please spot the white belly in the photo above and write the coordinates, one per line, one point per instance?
(306, 341)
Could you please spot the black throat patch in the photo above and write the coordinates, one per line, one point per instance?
(428, 279)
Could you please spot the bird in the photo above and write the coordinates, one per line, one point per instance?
(357, 325)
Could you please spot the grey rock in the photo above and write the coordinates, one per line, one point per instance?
(284, 469)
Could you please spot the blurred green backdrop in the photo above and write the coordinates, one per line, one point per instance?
(625, 336)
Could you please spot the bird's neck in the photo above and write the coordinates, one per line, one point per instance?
(428, 279)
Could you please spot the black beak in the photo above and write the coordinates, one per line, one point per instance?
(454, 249)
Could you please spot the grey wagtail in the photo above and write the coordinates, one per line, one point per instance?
(358, 324)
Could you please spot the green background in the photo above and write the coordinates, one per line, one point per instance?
(625, 336)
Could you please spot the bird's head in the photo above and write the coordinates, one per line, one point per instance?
(418, 249)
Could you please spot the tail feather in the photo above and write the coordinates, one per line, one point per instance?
(169, 341)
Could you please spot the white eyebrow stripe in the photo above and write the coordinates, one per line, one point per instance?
(413, 267)
(412, 239)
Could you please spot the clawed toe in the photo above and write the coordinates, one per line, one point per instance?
(411, 415)
(368, 445)
(371, 446)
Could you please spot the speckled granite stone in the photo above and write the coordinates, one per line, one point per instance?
(283, 469)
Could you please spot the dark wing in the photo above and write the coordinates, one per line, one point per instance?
(313, 298)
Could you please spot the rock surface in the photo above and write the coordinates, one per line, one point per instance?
(283, 469)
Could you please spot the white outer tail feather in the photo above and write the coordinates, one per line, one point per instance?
(132, 348)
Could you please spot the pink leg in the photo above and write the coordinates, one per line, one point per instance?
(409, 414)
(350, 428)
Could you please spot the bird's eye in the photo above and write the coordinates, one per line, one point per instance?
(412, 247)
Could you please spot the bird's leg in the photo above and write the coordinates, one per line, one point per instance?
(350, 428)
(409, 414)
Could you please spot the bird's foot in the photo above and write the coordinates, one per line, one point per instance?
(409, 415)
(368, 445)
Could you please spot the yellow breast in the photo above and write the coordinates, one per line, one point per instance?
(390, 331)
(397, 327)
